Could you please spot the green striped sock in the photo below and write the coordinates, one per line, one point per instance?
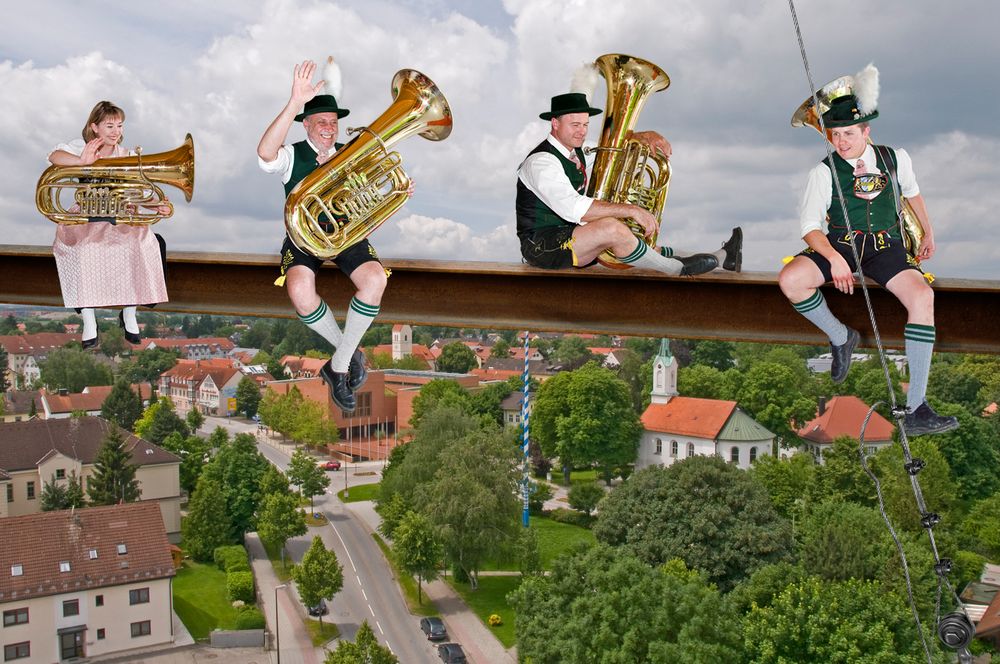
(323, 323)
(359, 318)
(816, 311)
(919, 340)
(652, 260)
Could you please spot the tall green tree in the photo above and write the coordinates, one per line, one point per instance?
(716, 354)
(981, 528)
(456, 358)
(280, 519)
(113, 342)
(774, 396)
(122, 406)
(699, 381)
(319, 574)
(55, 496)
(207, 524)
(702, 510)
(73, 369)
(936, 483)
(584, 496)
(365, 649)
(972, 452)
(158, 421)
(248, 396)
(239, 469)
(193, 452)
(500, 349)
(571, 352)
(148, 365)
(437, 393)
(4, 360)
(305, 473)
(113, 480)
(194, 419)
(417, 549)
(789, 482)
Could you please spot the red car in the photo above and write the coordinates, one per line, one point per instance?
(332, 464)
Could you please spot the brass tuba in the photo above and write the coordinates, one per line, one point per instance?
(808, 114)
(364, 184)
(121, 187)
(625, 170)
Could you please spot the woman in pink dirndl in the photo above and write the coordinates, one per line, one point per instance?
(103, 264)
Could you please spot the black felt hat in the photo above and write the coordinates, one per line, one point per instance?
(844, 112)
(321, 104)
(571, 102)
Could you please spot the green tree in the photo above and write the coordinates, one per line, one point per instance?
(392, 512)
(158, 421)
(486, 401)
(53, 495)
(417, 548)
(972, 452)
(789, 482)
(539, 493)
(207, 524)
(273, 481)
(113, 480)
(633, 372)
(4, 363)
(247, 396)
(8, 325)
(956, 384)
(571, 352)
(702, 510)
(319, 574)
(113, 342)
(74, 491)
(194, 419)
(773, 395)
(435, 394)
(605, 605)
(365, 649)
(122, 406)
(841, 476)
(456, 358)
(305, 473)
(148, 365)
(500, 349)
(936, 483)
(193, 452)
(239, 469)
(585, 496)
(715, 354)
(981, 528)
(699, 381)
(280, 519)
(73, 369)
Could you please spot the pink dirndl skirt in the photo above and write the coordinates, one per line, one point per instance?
(101, 265)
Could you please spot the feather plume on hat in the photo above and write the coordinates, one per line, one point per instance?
(585, 80)
(866, 89)
(331, 74)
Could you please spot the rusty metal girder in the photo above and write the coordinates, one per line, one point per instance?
(723, 306)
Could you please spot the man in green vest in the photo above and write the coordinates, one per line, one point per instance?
(345, 372)
(560, 227)
(863, 172)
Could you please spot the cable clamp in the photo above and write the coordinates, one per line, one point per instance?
(915, 466)
(899, 412)
(930, 519)
(943, 567)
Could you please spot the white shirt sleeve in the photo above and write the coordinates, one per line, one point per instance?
(816, 199)
(281, 164)
(904, 172)
(543, 175)
(74, 147)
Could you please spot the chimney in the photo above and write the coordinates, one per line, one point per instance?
(821, 406)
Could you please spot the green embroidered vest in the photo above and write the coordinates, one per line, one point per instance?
(303, 163)
(533, 214)
(868, 216)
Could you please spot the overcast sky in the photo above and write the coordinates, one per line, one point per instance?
(222, 71)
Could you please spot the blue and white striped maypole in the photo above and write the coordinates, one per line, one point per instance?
(524, 427)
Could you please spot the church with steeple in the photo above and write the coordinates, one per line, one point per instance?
(676, 427)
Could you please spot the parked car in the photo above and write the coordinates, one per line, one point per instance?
(433, 629)
(451, 653)
(320, 609)
(332, 464)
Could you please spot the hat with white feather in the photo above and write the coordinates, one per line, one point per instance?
(326, 103)
(578, 99)
(859, 106)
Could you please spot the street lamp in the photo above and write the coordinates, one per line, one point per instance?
(277, 622)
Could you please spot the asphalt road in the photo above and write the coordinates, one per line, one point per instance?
(370, 591)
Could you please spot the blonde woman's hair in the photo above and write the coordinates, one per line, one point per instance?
(103, 109)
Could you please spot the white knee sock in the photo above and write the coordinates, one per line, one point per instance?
(128, 315)
(89, 323)
(359, 319)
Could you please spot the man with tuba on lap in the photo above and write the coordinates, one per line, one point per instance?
(559, 226)
(345, 372)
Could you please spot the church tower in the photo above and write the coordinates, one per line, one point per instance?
(664, 374)
(402, 341)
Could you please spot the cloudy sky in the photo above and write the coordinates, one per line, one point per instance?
(222, 71)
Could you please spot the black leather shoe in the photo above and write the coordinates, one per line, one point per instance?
(89, 344)
(734, 251)
(697, 264)
(924, 421)
(340, 390)
(130, 337)
(842, 356)
(357, 370)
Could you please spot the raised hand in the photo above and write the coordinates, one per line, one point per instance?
(90, 151)
(302, 86)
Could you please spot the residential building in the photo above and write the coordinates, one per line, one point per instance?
(193, 349)
(206, 385)
(84, 583)
(25, 352)
(62, 404)
(676, 427)
(38, 451)
(402, 346)
(17, 405)
(511, 407)
(844, 416)
(297, 366)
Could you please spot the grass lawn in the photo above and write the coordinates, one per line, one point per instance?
(359, 493)
(200, 599)
(281, 570)
(408, 584)
(490, 598)
(575, 476)
(318, 637)
(554, 539)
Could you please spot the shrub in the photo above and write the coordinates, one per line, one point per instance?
(240, 586)
(249, 617)
(232, 558)
(495, 620)
(572, 517)
(540, 492)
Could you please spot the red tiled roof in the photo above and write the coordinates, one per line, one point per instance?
(298, 365)
(417, 350)
(222, 342)
(91, 399)
(688, 416)
(38, 543)
(21, 344)
(990, 622)
(844, 416)
(494, 374)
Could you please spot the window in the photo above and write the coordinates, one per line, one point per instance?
(753, 454)
(140, 628)
(734, 455)
(690, 449)
(10, 493)
(659, 446)
(16, 570)
(15, 617)
(31, 490)
(101, 634)
(60, 473)
(93, 554)
(138, 596)
(64, 566)
(122, 550)
(99, 600)
(71, 607)
(673, 448)
(364, 408)
(17, 651)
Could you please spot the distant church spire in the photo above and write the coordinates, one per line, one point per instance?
(664, 374)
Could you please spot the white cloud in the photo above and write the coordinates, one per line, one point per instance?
(417, 236)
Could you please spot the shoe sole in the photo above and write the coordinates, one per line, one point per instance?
(738, 267)
(329, 388)
(951, 426)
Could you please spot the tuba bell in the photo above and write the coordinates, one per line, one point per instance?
(626, 170)
(364, 184)
(121, 187)
(809, 114)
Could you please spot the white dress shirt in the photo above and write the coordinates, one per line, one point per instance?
(283, 162)
(543, 174)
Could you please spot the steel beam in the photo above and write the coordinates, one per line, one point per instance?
(724, 306)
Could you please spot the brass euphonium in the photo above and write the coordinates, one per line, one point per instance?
(808, 114)
(364, 184)
(626, 170)
(122, 187)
